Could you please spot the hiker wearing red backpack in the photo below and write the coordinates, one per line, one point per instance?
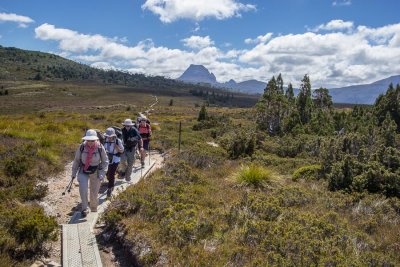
(144, 129)
(91, 164)
(114, 148)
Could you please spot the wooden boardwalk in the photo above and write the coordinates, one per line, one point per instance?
(79, 247)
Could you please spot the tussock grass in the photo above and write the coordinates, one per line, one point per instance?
(254, 174)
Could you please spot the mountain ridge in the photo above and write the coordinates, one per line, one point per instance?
(352, 94)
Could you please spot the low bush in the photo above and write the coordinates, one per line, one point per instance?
(27, 228)
(309, 172)
(203, 155)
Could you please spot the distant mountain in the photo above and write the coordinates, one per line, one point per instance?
(200, 74)
(363, 93)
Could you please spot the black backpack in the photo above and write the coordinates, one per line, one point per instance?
(118, 131)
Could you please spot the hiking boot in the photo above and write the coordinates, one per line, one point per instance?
(142, 162)
(121, 175)
(84, 213)
(109, 190)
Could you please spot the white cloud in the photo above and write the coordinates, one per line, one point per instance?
(259, 39)
(332, 59)
(22, 21)
(333, 25)
(341, 3)
(172, 10)
(197, 42)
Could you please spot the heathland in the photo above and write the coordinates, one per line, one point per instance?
(275, 180)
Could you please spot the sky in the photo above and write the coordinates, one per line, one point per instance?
(336, 42)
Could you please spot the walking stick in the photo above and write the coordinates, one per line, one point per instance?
(68, 188)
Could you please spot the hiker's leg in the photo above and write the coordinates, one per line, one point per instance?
(112, 168)
(83, 189)
(95, 183)
(130, 155)
(122, 163)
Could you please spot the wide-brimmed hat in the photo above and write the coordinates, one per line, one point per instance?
(110, 132)
(90, 135)
(128, 122)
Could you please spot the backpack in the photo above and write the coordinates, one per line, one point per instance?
(100, 135)
(118, 131)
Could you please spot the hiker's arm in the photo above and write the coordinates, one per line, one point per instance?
(140, 140)
(77, 162)
(104, 163)
(120, 146)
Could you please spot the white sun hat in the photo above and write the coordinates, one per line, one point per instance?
(128, 122)
(90, 135)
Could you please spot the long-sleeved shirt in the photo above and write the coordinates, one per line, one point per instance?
(115, 147)
(99, 159)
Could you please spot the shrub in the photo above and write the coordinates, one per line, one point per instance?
(29, 227)
(310, 172)
(17, 166)
(238, 143)
(203, 156)
(253, 174)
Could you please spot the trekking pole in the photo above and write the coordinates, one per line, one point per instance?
(149, 152)
(68, 188)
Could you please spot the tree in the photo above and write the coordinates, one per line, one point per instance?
(171, 102)
(388, 131)
(322, 99)
(290, 94)
(271, 109)
(203, 113)
(279, 84)
(304, 101)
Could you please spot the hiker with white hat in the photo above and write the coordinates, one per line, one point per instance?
(131, 138)
(91, 164)
(114, 148)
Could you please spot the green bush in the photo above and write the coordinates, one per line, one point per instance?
(253, 174)
(203, 155)
(27, 229)
(310, 172)
(238, 143)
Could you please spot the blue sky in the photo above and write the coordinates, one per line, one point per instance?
(336, 42)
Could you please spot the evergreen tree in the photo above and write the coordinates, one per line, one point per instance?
(322, 99)
(271, 109)
(203, 113)
(290, 94)
(304, 101)
(279, 84)
(388, 131)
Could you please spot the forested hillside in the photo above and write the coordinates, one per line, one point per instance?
(22, 65)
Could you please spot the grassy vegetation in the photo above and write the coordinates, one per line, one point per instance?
(193, 212)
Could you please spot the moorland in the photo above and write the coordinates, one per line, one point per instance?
(271, 180)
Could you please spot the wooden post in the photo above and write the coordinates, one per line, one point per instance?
(180, 136)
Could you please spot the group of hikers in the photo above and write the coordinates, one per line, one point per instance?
(94, 160)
